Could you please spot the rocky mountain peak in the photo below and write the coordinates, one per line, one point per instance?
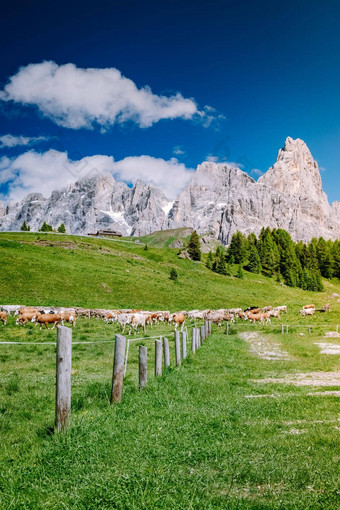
(219, 199)
(295, 172)
(222, 172)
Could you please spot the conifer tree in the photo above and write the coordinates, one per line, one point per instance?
(45, 227)
(238, 248)
(24, 227)
(194, 249)
(240, 271)
(254, 262)
(173, 274)
(221, 265)
(210, 259)
(62, 229)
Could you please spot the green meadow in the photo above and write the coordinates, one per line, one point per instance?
(228, 429)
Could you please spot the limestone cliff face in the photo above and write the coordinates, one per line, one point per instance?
(92, 204)
(220, 198)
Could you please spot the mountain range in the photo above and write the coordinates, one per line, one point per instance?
(219, 199)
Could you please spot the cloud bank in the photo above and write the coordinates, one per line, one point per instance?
(34, 172)
(77, 98)
(10, 141)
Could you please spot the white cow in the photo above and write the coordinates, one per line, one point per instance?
(307, 311)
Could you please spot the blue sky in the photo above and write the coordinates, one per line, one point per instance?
(270, 70)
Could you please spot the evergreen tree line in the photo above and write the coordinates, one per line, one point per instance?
(274, 254)
(44, 228)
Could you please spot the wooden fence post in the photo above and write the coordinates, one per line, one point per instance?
(63, 378)
(227, 328)
(206, 326)
(198, 338)
(193, 340)
(202, 328)
(287, 328)
(166, 352)
(143, 366)
(184, 344)
(309, 329)
(209, 327)
(158, 358)
(282, 329)
(177, 349)
(118, 369)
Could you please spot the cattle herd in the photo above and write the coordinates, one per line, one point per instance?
(135, 319)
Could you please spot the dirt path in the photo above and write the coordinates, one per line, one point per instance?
(264, 348)
(308, 379)
(327, 348)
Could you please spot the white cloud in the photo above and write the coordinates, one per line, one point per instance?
(34, 172)
(80, 98)
(178, 150)
(256, 171)
(10, 141)
(169, 175)
(213, 159)
(217, 159)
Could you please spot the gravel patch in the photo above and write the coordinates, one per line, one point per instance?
(263, 348)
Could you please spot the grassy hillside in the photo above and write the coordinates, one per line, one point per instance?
(216, 433)
(165, 238)
(47, 269)
(193, 439)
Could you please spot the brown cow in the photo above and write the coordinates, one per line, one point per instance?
(25, 317)
(179, 320)
(259, 317)
(26, 309)
(307, 307)
(326, 308)
(3, 317)
(47, 318)
(68, 317)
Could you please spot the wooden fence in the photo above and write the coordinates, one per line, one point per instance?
(162, 358)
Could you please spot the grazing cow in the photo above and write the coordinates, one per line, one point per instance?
(68, 317)
(3, 317)
(195, 314)
(281, 308)
(274, 313)
(229, 317)
(138, 320)
(234, 311)
(111, 316)
(259, 317)
(307, 311)
(253, 309)
(179, 320)
(26, 309)
(326, 308)
(47, 318)
(83, 312)
(216, 317)
(11, 309)
(308, 307)
(167, 317)
(25, 317)
(266, 309)
(123, 319)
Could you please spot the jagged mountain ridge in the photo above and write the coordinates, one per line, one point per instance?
(219, 198)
